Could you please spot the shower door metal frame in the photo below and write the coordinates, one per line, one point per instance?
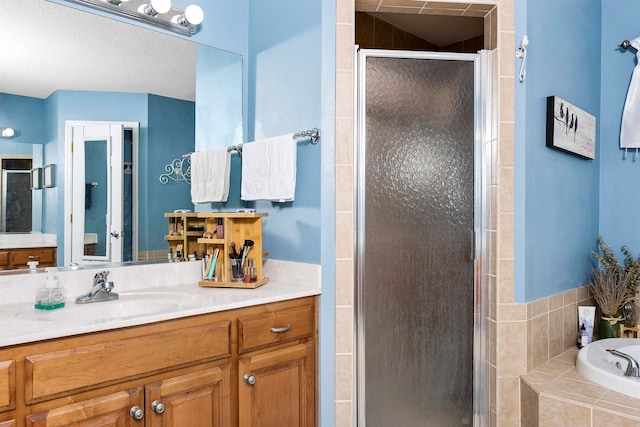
(482, 164)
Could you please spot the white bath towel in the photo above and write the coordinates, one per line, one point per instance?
(269, 169)
(210, 171)
(630, 129)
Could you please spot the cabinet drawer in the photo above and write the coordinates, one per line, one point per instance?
(7, 385)
(275, 327)
(72, 369)
(42, 255)
(4, 258)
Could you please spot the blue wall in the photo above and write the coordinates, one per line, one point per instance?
(18, 112)
(556, 193)
(619, 205)
(285, 63)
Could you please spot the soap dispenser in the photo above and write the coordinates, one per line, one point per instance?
(50, 296)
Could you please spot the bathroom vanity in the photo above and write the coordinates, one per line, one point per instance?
(224, 357)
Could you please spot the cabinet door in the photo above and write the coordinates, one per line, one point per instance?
(199, 399)
(112, 410)
(277, 388)
(9, 423)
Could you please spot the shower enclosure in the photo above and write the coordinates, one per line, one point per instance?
(419, 239)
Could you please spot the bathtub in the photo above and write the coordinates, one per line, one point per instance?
(598, 365)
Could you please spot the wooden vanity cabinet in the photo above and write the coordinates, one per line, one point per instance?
(182, 372)
(17, 258)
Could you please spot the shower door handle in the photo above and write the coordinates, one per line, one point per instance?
(115, 234)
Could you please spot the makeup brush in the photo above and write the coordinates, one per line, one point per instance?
(245, 250)
(233, 253)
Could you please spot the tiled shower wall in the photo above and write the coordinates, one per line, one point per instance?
(508, 333)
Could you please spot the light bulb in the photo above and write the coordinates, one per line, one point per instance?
(155, 7)
(193, 15)
(8, 132)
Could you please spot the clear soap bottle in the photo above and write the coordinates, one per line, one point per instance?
(51, 296)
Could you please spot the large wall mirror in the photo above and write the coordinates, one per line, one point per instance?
(68, 65)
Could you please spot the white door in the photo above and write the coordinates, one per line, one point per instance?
(95, 166)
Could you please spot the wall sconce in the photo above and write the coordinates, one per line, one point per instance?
(159, 13)
(522, 53)
(7, 133)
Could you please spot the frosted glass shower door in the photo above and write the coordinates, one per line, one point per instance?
(415, 230)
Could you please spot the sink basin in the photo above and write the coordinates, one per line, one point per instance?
(129, 305)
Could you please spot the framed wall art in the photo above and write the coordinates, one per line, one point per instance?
(49, 176)
(570, 129)
(36, 178)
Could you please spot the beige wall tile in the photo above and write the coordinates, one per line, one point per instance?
(507, 99)
(344, 11)
(557, 413)
(505, 234)
(493, 381)
(606, 419)
(505, 281)
(570, 325)
(344, 231)
(556, 301)
(344, 93)
(506, 16)
(344, 330)
(511, 312)
(509, 404)
(344, 377)
(540, 340)
(537, 308)
(493, 297)
(512, 348)
(570, 296)
(556, 333)
(344, 282)
(529, 405)
(492, 249)
(507, 54)
(344, 141)
(344, 188)
(505, 192)
(345, 40)
(344, 413)
(506, 156)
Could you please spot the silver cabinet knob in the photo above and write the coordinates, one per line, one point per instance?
(136, 412)
(157, 407)
(249, 379)
(115, 234)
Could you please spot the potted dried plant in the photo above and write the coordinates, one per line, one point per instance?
(614, 287)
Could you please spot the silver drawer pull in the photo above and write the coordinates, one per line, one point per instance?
(34, 257)
(280, 330)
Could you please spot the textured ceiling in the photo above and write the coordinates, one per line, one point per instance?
(46, 46)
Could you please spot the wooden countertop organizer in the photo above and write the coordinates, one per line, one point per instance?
(238, 228)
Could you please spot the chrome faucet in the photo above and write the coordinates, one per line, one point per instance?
(102, 290)
(632, 368)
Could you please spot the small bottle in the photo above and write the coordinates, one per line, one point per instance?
(583, 337)
(51, 296)
(220, 229)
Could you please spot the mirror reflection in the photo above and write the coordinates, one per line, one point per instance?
(69, 65)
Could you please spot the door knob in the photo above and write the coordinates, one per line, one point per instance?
(136, 412)
(249, 379)
(115, 234)
(157, 407)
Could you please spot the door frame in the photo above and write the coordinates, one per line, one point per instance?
(482, 135)
(68, 176)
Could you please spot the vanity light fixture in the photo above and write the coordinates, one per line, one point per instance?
(159, 13)
(7, 133)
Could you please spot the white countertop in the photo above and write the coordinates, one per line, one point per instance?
(154, 289)
(22, 323)
(27, 240)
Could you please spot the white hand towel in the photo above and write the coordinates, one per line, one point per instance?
(630, 130)
(269, 169)
(210, 172)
